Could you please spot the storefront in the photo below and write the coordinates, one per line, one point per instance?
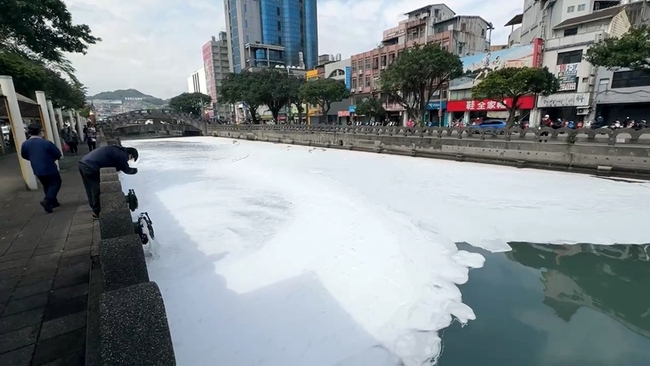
(463, 112)
(344, 117)
(435, 113)
(565, 106)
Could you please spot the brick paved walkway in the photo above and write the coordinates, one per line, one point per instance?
(44, 272)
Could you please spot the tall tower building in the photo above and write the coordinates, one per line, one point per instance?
(216, 65)
(266, 33)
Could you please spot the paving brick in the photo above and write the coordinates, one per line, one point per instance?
(16, 255)
(65, 307)
(55, 243)
(16, 263)
(79, 244)
(5, 295)
(38, 267)
(74, 359)
(8, 284)
(33, 289)
(58, 347)
(56, 327)
(71, 280)
(74, 269)
(10, 273)
(26, 303)
(69, 292)
(80, 228)
(67, 261)
(32, 278)
(19, 357)
(21, 320)
(18, 339)
(75, 252)
(44, 258)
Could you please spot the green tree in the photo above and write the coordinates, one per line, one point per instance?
(190, 103)
(371, 107)
(324, 92)
(242, 88)
(417, 75)
(512, 83)
(42, 27)
(295, 97)
(275, 90)
(631, 51)
(33, 38)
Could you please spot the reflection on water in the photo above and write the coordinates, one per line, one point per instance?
(556, 305)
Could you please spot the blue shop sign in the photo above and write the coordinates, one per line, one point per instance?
(348, 77)
(352, 108)
(438, 104)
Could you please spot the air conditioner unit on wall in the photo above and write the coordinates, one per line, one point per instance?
(601, 37)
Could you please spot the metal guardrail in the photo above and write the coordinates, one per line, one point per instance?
(583, 135)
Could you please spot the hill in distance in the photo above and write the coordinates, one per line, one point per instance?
(128, 93)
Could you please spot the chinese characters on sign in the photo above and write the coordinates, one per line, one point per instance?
(490, 105)
(567, 74)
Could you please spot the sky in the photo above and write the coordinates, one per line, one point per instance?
(155, 45)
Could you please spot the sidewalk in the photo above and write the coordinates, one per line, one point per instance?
(44, 270)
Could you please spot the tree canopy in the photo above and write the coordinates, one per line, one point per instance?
(33, 38)
(190, 103)
(324, 92)
(417, 75)
(371, 107)
(275, 90)
(631, 51)
(242, 87)
(512, 83)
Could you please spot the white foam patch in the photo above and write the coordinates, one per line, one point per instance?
(294, 256)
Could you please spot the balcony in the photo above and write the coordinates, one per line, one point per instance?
(415, 23)
(578, 40)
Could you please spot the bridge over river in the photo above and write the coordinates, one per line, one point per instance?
(155, 122)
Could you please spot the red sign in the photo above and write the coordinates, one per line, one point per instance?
(525, 102)
(344, 113)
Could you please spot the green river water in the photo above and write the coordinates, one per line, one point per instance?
(550, 305)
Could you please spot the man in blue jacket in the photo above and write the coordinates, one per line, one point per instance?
(104, 157)
(42, 155)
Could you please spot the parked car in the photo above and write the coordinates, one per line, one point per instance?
(497, 124)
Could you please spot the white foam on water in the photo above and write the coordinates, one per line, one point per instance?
(302, 256)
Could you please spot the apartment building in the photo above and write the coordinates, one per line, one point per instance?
(267, 33)
(196, 83)
(540, 17)
(460, 34)
(216, 68)
(564, 54)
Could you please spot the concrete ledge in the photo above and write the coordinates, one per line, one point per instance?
(116, 223)
(110, 187)
(133, 327)
(123, 262)
(108, 175)
(112, 201)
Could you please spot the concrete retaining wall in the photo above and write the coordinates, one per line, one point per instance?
(128, 325)
(619, 153)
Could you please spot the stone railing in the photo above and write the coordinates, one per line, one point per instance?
(127, 323)
(582, 135)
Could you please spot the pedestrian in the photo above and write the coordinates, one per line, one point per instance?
(109, 156)
(43, 155)
(72, 141)
(91, 138)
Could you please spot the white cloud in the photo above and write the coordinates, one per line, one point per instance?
(154, 45)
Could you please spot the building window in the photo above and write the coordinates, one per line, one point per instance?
(630, 79)
(245, 23)
(570, 9)
(353, 67)
(367, 81)
(278, 11)
(279, 26)
(581, 7)
(571, 32)
(571, 57)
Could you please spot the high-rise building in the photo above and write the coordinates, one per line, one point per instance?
(197, 83)
(267, 33)
(216, 65)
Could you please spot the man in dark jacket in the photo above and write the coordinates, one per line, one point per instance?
(43, 155)
(104, 157)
